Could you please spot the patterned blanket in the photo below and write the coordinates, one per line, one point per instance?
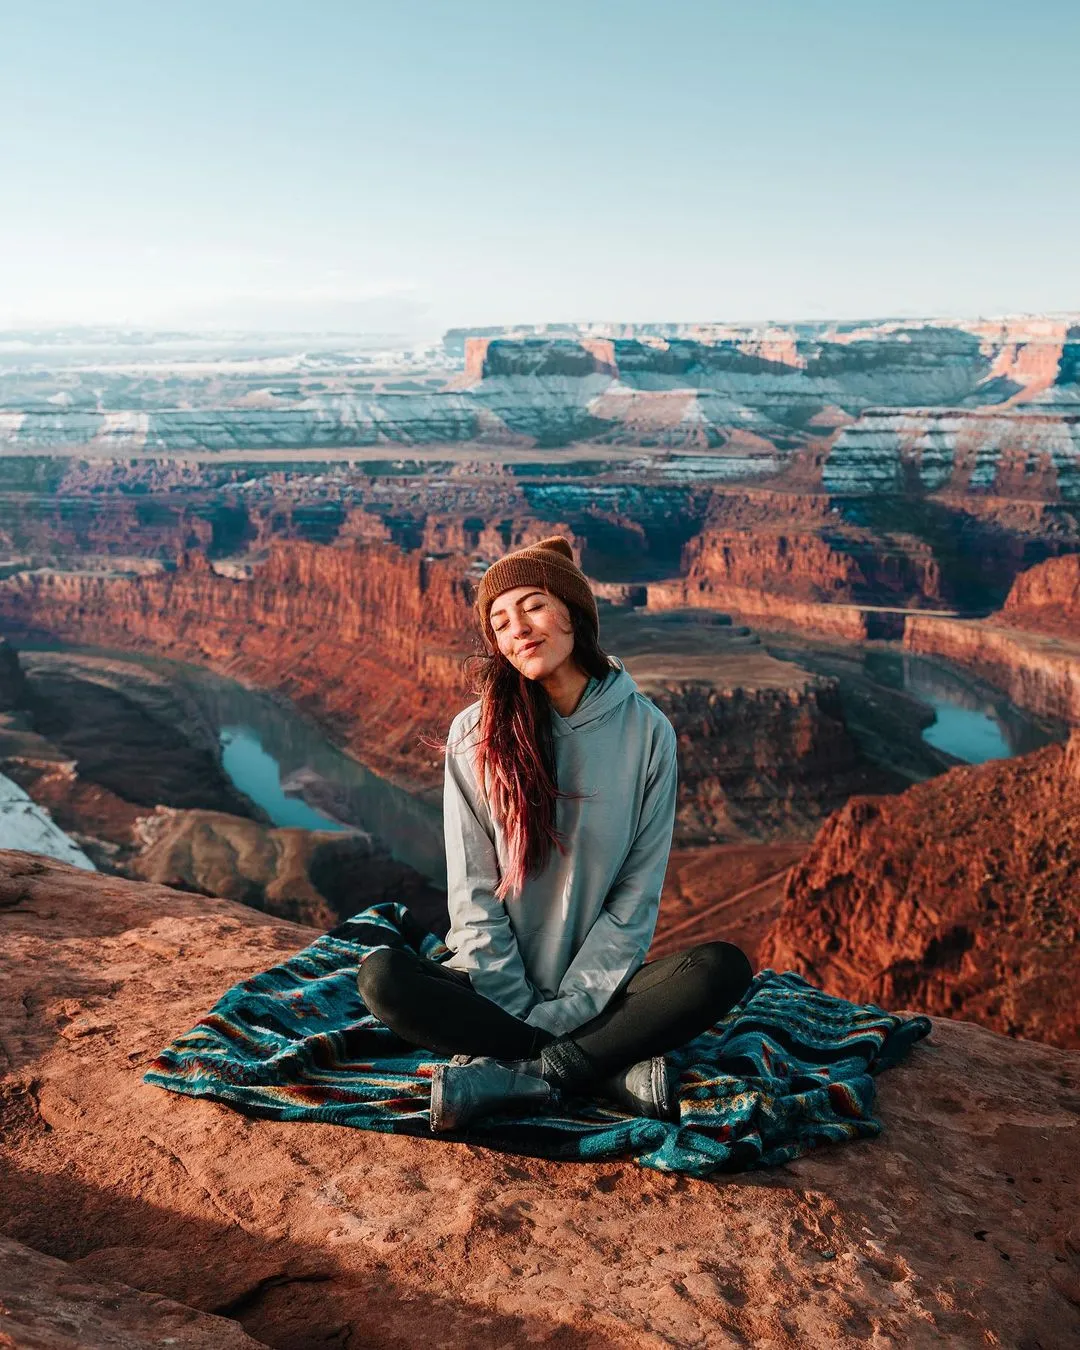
(787, 1069)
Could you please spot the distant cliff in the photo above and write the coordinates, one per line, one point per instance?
(1028, 450)
(756, 395)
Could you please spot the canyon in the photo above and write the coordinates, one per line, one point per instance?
(811, 545)
(919, 495)
(962, 894)
(125, 761)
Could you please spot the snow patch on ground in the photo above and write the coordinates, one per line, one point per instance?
(25, 825)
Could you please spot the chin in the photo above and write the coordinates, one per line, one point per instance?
(534, 670)
(540, 668)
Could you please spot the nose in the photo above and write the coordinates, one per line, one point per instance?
(519, 625)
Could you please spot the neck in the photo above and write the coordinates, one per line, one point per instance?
(564, 687)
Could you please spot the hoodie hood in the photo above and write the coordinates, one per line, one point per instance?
(616, 687)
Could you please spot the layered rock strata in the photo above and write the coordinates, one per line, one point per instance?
(1039, 673)
(957, 1225)
(961, 896)
(1029, 450)
(707, 388)
(757, 763)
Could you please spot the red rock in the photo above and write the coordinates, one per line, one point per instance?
(1030, 648)
(46, 1304)
(960, 897)
(954, 1227)
(1037, 672)
(729, 892)
(1046, 598)
(337, 629)
(786, 560)
(371, 640)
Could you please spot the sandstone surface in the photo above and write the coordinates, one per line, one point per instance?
(956, 1227)
(961, 896)
(1046, 599)
(45, 1304)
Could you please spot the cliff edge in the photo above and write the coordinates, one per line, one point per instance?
(957, 1226)
(960, 896)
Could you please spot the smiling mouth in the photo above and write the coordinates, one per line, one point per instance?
(529, 648)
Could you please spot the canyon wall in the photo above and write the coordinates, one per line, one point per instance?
(758, 763)
(126, 761)
(820, 580)
(1030, 648)
(369, 639)
(355, 635)
(793, 560)
(961, 897)
(848, 623)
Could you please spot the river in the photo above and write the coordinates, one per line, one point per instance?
(972, 721)
(284, 762)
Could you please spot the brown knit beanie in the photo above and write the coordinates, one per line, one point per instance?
(548, 564)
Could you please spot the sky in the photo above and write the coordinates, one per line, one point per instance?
(415, 164)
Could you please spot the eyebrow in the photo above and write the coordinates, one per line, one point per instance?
(496, 612)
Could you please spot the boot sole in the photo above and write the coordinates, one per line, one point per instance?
(660, 1087)
(435, 1114)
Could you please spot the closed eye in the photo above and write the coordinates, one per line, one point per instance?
(529, 609)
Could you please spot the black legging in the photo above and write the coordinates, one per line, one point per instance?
(663, 1005)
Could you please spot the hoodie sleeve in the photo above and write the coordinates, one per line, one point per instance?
(480, 932)
(616, 944)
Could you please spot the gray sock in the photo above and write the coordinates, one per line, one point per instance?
(566, 1065)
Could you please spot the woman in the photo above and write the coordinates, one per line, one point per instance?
(558, 809)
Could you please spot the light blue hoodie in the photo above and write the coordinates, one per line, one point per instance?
(580, 928)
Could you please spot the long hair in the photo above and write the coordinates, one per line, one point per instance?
(515, 753)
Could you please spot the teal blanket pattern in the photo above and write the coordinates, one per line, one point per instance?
(786, 1070)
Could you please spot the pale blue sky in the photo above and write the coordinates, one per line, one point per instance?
(432, 162)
